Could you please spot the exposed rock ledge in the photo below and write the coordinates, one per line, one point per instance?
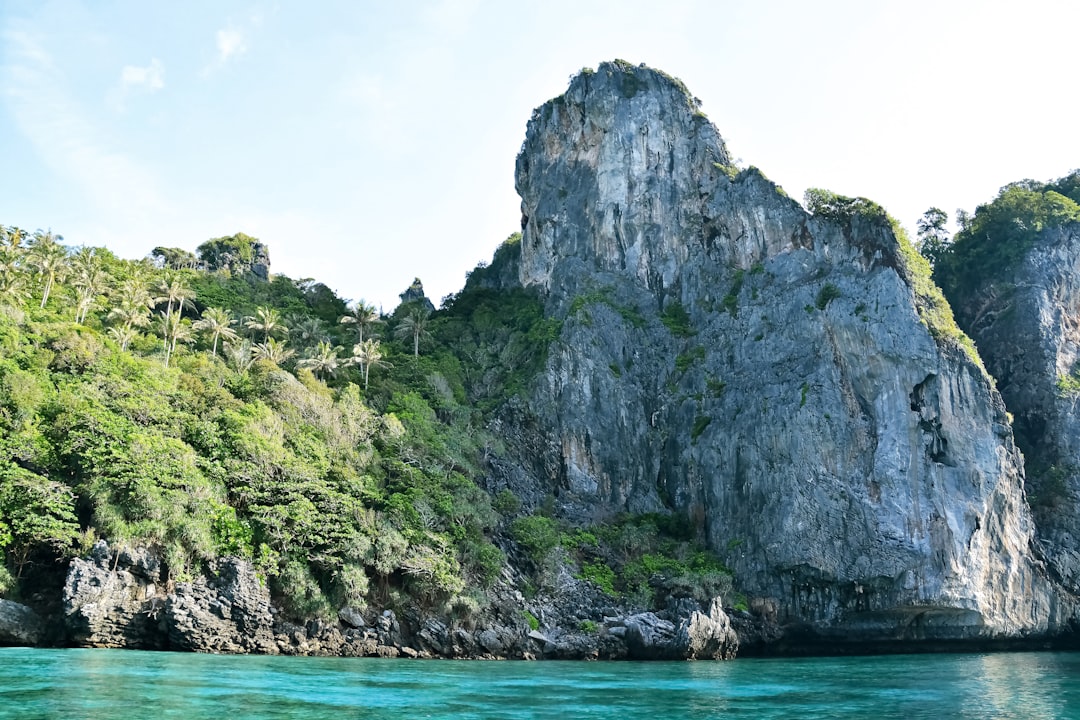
(19, 625)
(118, 599)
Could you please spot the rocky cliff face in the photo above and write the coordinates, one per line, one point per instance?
(766, 373)
(1024, 320)
(119, 599)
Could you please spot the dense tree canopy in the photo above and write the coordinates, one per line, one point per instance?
(999, 233)
(268, 449)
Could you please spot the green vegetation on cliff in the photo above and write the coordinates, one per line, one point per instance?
(210, 413)
(1000, 233)
(934, 310)
(216, 412)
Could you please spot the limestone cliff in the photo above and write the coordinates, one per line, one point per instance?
(1023, 315)
(764, 371)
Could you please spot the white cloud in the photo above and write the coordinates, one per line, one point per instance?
(68, 141)
(230, 43)
(151, 77)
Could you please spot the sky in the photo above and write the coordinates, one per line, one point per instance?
(368, 143)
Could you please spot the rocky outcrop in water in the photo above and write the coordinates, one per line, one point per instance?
(118, 598)
(114, 599)
(228, 611)
(697, 635)
(19, 625)
(771, 374)
(786, 381)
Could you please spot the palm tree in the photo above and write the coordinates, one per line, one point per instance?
(13, 237)
(132, 310)
(415, 324)
(164, 325)
(122, 334)
(367, 354)
(12, 286)
(272, 350)
(308, 330)
(240, 354)
(174, 290)
(49, 260)
(361, 315)
(323, 361)
(90, 280)
(10, 259)
(173, 329)
(181, 332)
(218, 323)
(268, 321)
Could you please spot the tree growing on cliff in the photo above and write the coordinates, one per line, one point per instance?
(48, 258)
(36, 512)
(361, 315)
(218, 324)
(414, 325)
(934, 239)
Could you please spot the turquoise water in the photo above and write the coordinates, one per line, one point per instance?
(91, 684)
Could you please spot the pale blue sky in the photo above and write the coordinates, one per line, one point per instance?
(370, 142)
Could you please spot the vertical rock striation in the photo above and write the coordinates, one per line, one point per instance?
(1024, 317)
(765, 372)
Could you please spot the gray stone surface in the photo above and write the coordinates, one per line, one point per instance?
(118, 599)
(707, 635)
(1025, 322)
(19, 625)
(228, 611)
(115, 602)
(839, 457)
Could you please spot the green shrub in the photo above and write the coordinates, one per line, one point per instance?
(506, 503)
(731, 300)
(715, 387)
(700, 423)
(532, 620)
(299, 593)
(840, 208)
(826, 294)
(603, 296)
(677, 320)
(7, 582)
(685, 359)
(600, 575)
(537, 535)
(1068, 385)
(579, 539)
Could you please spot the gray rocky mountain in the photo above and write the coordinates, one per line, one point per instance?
(788, 380)
(781, 378)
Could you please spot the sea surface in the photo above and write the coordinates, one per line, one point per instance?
(90, 684)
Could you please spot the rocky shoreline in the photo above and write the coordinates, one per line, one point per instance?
(119, 599)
